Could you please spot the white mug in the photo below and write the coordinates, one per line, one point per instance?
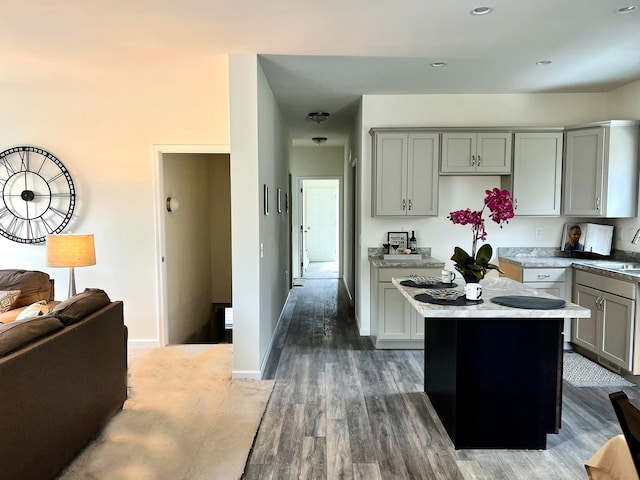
(473, 291)
(448, 276)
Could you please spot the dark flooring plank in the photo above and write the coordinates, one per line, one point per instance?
(341, 409)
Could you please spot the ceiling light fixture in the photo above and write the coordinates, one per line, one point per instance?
(481, 10)
(544, 62)
(438, 64)
(628, 9)
(318, 117)
(319, 140)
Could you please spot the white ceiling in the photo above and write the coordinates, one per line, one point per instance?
(324, 55)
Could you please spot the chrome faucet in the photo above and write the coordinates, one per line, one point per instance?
(636, 237)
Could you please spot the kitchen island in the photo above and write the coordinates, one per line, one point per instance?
(493, 373)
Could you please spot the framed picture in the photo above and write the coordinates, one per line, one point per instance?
(401, 239)
(279, 200)
(572, 240)
(265, 198)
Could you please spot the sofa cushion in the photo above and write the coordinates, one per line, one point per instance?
(79, 306)
(8, 299)
(16, 334)
(36, 309)
(33, 285)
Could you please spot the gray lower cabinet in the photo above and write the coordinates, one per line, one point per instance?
(610, 332)
(394, 323)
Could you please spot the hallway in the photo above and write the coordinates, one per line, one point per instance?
(322, 270)
(341, 409)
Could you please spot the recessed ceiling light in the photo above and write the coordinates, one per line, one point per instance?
(481, 10)
(438, 64)
(544, 62)
(628, 9)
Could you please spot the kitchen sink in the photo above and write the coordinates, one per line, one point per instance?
(626, 267)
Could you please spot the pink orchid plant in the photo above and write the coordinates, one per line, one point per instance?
(474, 267)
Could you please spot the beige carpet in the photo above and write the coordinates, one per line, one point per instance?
(184, 419)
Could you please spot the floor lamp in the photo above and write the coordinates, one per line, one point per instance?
(70, 251)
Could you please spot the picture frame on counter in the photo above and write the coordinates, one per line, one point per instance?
(399, 238)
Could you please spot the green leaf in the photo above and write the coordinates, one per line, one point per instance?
(460, 256)
(484, 254)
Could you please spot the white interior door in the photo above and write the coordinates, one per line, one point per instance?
(321, 222)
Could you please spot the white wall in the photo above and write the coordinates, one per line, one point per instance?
(624, 104)
(459, 192)
(274, 157)
(221, 246)
(260, 151)
(104, 130)
(245, 221)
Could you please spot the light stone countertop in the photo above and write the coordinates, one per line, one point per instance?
(605, 267)
(426, 261)
(491, 287)
(376, 259)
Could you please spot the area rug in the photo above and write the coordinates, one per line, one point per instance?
(185, 418)
(582, 372)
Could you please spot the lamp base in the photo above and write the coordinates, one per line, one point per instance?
(72, 282)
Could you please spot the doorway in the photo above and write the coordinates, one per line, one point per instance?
(320, 227)
(198, 177)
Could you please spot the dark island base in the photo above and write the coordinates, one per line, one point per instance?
(495, 383)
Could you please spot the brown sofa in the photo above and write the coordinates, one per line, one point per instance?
(60, 385)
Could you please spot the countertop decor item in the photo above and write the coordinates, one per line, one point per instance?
(474, 267)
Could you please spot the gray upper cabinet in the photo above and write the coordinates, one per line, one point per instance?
(536, 181)
(601, 170)
(485, 153)
(405, 173)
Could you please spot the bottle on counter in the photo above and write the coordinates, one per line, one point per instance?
(413, 243)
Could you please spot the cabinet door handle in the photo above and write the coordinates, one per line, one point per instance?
(597, 203)
(473, 160)
(404, 204)
(478, 160)
(515, 203)
(409, 204)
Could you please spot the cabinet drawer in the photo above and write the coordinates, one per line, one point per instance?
(386, 274)
(607, 284)
(543, 274)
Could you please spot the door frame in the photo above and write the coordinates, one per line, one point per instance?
(297, 252)
(159, 203)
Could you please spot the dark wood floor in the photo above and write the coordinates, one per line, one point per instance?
(341, 409)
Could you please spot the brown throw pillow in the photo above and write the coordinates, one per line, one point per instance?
(8, 300)
(76, 308)
(18, 333)
(33, 285)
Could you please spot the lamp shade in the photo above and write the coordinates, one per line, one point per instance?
(70, 250)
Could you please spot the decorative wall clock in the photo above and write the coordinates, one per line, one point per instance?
(38, 194)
